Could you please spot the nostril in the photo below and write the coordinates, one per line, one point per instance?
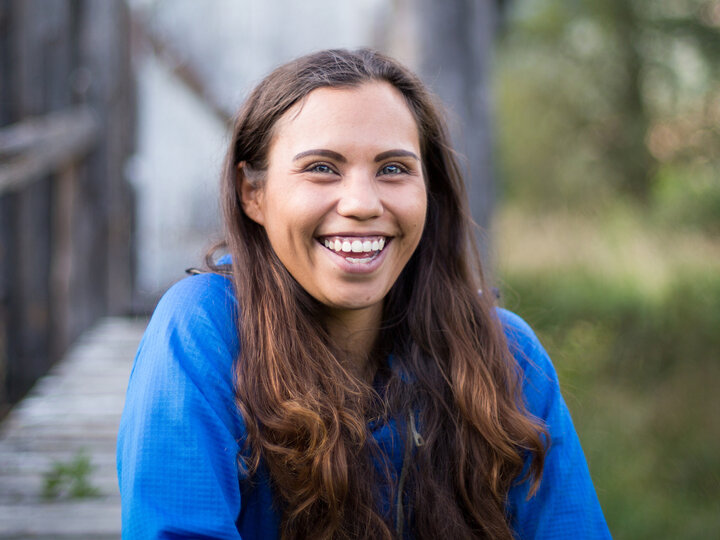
(360, 208)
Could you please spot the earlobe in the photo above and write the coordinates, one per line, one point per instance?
(251, 196)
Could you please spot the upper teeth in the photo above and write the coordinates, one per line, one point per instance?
(355, 245)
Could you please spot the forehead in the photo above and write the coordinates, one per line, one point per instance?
(371, 114)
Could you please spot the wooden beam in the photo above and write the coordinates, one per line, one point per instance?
(38, 146)
(179, 67)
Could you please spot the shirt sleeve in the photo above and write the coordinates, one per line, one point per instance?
(565, 504)
(179, 435)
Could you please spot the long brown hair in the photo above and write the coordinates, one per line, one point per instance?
(452, 375)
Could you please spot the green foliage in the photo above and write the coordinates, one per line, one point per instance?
(640, 373)
(690, 196)
(70, 479)
(608, 115)
(602, 96)
(642, 337)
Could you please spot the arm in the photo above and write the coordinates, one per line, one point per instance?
(180, 432)
(565, 505)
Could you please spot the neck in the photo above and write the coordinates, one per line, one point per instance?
(355, 333)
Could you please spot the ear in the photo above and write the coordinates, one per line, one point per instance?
(251, 194)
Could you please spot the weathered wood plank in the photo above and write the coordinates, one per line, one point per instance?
(37, 461)
(61, 262)
(105, 49)
(27, 488)
(37, 146)
(6, 65)
(66, 209)
(74, 410)
(28, 51)
(7, 237)
(179, 67)
(57, 60)
(93, 519)
(30, 296)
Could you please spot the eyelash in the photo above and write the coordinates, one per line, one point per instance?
(401, 169)
(313, 168)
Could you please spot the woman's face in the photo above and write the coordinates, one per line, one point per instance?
(344, 198)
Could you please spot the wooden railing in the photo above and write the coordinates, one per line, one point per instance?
(40, 160)
(41, 145)
(66, 208)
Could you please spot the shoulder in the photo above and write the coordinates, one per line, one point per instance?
(195, 321)
(206, 294)
(197, 308)
(524, 344)
(565, 505)
(190, 345)
(540, 385)
(522, 341)
(180, 432)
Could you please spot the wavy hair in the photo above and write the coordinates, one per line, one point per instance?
(453, 379)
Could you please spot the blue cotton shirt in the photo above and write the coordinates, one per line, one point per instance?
(181, 433)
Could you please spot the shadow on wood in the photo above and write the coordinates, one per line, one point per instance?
(66, 209)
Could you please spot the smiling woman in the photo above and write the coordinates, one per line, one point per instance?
(337, 374)
(343, 169)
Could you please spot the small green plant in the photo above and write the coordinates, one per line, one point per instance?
(70, 479)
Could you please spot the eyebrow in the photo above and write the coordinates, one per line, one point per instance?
(339, 157)
(321, 152)
(396, 153)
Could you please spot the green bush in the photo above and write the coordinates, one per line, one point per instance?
(642, 336)
(640, 373)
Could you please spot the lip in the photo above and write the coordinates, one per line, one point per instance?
(355, 234)
(355, 267)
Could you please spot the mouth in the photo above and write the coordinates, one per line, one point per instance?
(356, 249)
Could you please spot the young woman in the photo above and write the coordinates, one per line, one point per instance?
(341, 373)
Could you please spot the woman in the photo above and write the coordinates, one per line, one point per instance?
(338, 375)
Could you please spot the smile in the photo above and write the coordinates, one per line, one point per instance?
(366, 247)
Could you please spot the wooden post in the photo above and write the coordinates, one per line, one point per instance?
(62, 266)
(6, 344)
(455, 40)
(66, 215)
(105, 54)
(31, 31)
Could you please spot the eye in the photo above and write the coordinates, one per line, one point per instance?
(321, 168)
(393, 169)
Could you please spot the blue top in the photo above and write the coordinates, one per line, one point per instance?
(181, 433)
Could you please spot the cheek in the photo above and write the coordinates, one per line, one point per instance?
(415, 213)
(291, 218)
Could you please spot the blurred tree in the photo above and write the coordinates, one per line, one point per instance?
(609, 131)
(627, 150)
(621, 91)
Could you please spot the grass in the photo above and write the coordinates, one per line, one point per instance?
(630, 315)
(70, 480)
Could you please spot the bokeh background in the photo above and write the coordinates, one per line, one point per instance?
(590, 131)
(608, 239)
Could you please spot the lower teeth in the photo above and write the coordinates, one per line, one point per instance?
(363, 260)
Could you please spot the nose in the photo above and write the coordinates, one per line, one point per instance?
(359, 197)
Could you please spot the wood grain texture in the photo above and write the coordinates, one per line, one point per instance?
(36, 147)
(66, 208)
(75, 408)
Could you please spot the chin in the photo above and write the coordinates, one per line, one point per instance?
(353, 302)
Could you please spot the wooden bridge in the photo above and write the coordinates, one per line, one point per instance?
(57, 446)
